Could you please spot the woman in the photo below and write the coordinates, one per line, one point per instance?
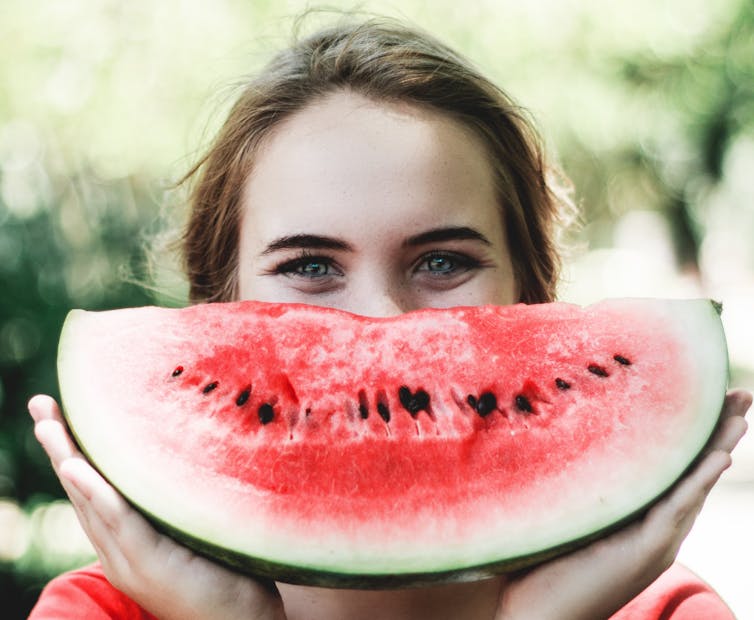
(369, 168)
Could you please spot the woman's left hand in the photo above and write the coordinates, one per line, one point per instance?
(596, 581)
(163, 577)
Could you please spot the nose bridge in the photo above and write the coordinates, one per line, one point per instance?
(380, 302)
(392, 305)
(378, 295)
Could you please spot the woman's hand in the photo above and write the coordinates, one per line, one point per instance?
(596, 581)
(165, 578)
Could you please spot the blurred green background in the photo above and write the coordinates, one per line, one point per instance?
(649, 107)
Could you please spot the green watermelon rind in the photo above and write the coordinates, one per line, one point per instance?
(327, 576)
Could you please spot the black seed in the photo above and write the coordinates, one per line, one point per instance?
(363, 405)
(413, 403)
(421, 398)
(622, 360)
(178, 370)
(562, 385)
(243, 397)
(209, 387)
(523, 403)
(486, 404)
(266, 413)
(471, 399)
(383, 411)
(405, 396)
(597, 370)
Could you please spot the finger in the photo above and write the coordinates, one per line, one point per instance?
(84, 514)
(56, 442)
(669, 521)
(91, 493)
(106, 545)
(113, 528)
(102, 497)
(74, 470)
(48, 433)
(58, 445)
(737, 402)
(694, 488)
(732, 425)
(728, 434)
(120, 522)
(43, 407)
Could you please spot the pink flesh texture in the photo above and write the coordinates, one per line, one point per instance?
(319, 462)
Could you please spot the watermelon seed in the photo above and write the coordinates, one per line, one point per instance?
(383, 411)
(597, 370)
(562, 385)
(243, 397)
(413, 403)
(266, 413)
(622, 360)
(523, 404)
(382, 407)
(363, 405)
(485, 405)
(209, 387)
(178, 370)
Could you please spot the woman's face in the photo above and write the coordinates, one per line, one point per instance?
(375, 208)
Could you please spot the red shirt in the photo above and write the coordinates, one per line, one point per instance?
(677, 594)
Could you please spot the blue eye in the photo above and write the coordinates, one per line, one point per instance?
(311, 267)
(446, 263)
(439, 264)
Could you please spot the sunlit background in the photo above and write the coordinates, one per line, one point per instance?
(648, 106)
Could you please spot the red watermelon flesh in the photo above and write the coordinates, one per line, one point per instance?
(317, 446)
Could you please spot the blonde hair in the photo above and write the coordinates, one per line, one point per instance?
(385, 61)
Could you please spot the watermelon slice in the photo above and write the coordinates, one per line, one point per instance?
(315, 446)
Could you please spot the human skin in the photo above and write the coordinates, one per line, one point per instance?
(377, 209)
(382, 182)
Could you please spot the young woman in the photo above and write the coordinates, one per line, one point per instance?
(369, 168)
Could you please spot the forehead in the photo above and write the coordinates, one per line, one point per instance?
(347, 158)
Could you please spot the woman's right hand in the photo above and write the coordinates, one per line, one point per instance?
(162, 576)
(597, 580)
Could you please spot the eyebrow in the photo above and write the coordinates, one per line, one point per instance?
(450, 233)
(306, 241)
